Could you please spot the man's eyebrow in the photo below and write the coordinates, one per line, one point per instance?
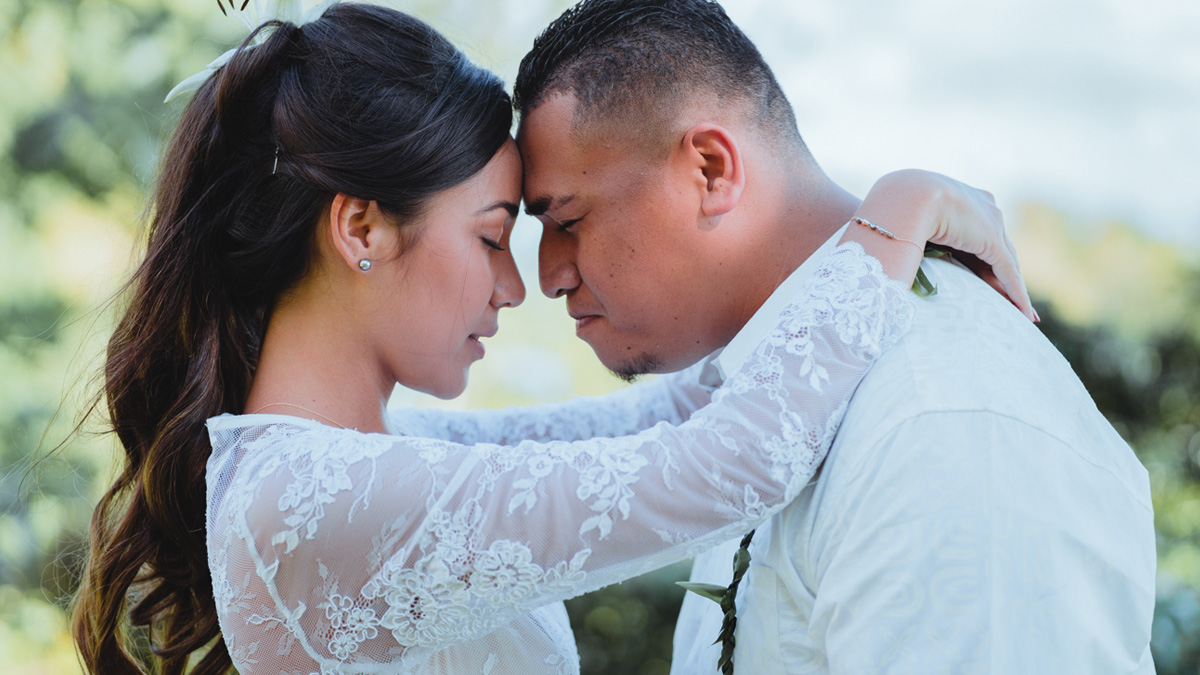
(507, 206)
(540, 205)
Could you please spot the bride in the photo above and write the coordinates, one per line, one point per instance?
(332, 218)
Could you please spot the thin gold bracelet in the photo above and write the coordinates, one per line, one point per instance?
(885, 232)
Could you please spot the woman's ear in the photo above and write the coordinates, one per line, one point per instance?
(362, 235)
(716, 158)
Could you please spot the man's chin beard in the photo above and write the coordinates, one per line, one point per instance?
(636, 367)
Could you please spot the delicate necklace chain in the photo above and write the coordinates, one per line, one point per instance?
(300, 407)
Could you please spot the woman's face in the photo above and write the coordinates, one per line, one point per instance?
(452, 282)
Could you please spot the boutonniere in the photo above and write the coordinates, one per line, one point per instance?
(724, 596)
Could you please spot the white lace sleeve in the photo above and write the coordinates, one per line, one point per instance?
(670, 398)
(330, 547)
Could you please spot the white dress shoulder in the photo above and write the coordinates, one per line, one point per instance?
(335, 551)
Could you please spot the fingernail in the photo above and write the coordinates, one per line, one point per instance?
(1036, 317)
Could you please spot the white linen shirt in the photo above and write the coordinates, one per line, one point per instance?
(975, 514)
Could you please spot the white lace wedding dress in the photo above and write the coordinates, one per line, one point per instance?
(334, 551)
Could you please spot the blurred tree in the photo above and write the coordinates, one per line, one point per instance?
(628, 628)
(76, 150)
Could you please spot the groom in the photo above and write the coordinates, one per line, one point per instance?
(975, 513)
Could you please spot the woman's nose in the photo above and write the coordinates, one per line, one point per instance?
(509, 290)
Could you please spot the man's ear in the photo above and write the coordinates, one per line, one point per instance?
(714, 154)
(360, 231)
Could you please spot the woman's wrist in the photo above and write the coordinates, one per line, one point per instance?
(912, 208)
(907, 203)
(899, 215)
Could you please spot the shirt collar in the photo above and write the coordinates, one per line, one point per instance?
(730, 359)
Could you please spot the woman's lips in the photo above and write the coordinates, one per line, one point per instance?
(477, 345)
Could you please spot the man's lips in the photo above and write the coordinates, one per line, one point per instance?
(582, 320)
(576, 312)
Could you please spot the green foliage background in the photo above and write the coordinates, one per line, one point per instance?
(81, 122)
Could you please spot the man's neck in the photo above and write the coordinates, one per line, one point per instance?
(811, 213)
(796, 214)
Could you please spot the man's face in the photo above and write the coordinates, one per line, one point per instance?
(623, 239)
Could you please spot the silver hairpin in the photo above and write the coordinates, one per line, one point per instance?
(276, 167)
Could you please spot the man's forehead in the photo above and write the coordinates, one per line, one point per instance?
(553, 158)
(553, 117)
(565, 164)
(545, 121)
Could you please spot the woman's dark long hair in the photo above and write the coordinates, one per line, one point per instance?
(365, 101)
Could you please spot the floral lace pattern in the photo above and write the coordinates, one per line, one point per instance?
(334, 551)
(668, 398)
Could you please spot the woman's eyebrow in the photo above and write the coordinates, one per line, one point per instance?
(502, 204)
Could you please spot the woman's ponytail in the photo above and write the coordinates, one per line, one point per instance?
(365, 101)
(184, 351)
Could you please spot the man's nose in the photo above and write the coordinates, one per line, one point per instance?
(556, 264)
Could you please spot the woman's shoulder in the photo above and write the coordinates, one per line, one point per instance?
(285, 436)
(280, 475)
(257, 451)
(230, 422)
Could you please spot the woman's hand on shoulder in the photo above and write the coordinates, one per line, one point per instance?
(928, 207)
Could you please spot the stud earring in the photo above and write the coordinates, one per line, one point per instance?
(364, 264)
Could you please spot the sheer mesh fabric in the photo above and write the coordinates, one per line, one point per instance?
(669, 398)
(334, 551)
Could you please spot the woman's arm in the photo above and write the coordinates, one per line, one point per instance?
(445, 542)
(670, 398)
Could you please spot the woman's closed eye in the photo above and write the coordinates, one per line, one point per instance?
(493, 236)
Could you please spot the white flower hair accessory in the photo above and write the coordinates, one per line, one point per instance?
(261, 11)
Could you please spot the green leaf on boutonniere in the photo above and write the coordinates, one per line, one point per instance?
(935, 251)
(711, 591)
(741, 560)
(922, 286)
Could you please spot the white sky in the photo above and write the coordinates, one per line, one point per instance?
(1092, 106)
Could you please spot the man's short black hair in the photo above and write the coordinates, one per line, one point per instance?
(644, 59)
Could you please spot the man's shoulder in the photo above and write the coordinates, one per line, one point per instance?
(971, 354)
(969, 349)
